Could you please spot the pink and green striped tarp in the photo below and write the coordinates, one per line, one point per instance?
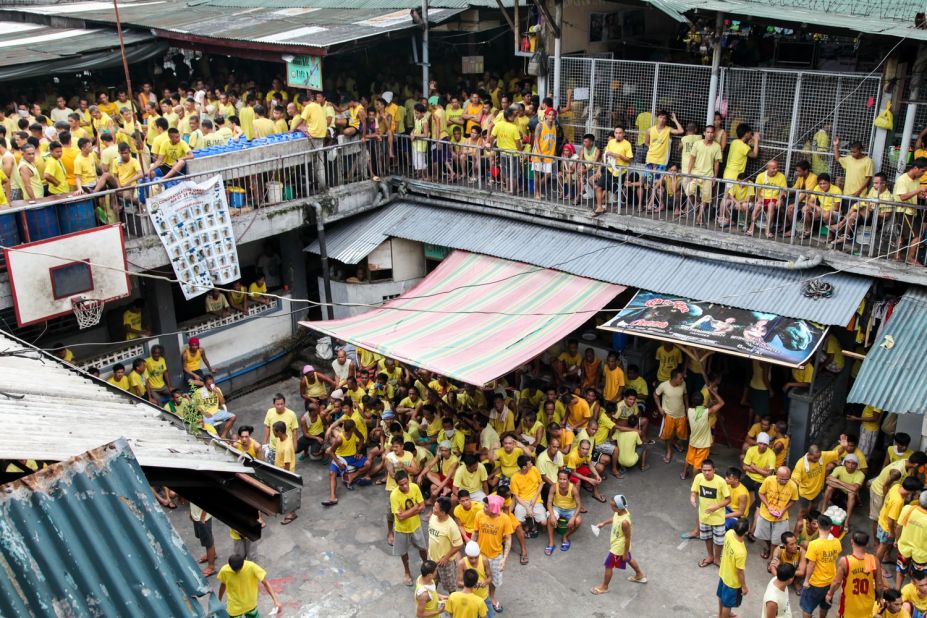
(476, 317)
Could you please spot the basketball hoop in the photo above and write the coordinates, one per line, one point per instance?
(87, 311)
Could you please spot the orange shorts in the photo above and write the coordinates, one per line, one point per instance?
(672, 426)
(695, 456)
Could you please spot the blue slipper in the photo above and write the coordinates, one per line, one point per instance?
(565, 546)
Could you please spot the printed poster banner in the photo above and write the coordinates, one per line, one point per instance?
(193, 222)
(755, 334)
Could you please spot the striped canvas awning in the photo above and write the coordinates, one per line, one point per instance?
(476, 317)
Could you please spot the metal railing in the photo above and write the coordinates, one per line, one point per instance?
(871, 228)
(254, 185)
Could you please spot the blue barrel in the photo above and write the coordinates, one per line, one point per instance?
(619, 341)
(9, 234)
(43, 223)
(76, 216)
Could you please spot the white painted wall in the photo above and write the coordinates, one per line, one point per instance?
(408, 259)
(363, 293)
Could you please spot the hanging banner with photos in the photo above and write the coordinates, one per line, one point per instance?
(766, 336)
(192, 220)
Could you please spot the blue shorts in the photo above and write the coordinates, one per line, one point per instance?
(354, 462)
(729, 521)
(566, 514)
(883, 537)
(219, 417)
(813, 597)
(730, 597)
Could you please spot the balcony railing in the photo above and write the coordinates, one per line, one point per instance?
(267, 180)
(871, 228)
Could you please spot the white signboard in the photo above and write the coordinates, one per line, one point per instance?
(192, 219)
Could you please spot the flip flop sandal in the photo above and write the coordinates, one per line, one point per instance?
(634, 580)
(497, 607)
(597, 590)
(523, 560)
(565, 546)
(548, 550)
(289, 519)
(329, 503)
(600, 499)
(363, 482)
(705, 563)
(348, 487)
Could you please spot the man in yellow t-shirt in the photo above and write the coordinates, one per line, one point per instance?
(746, 146)
(668, 357)
(56, 176)
(159, 378)
(133, 321)
(506, 136)
(406, 503)
(759, 463)
(860, 211)
(768, 201)
(733, 580)
(822, 555)
(809, 475)
(703, 167)
(908, 189)
(240, 579)
(657, 139)
(858, 168)
(617, 156)
(805, 180)
(710, 493)
(138, 380)
(119, 377)
(777, 493)
(85, 168)
(172, 156)
(843, 486)
(127, 171)
(821, 209)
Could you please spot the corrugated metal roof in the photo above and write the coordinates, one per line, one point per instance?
(50, 411)
(748, 287)
(86, 537)
(892, 377)
(309, 28)
(894, 18)
(356, 4)
(28, 43)
(352, 241)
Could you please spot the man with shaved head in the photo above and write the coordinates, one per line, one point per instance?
(777, 494)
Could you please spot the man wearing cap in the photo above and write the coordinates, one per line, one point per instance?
(312, 386)
(193, 358)
(776, 494)
(619, 554)
(842, 486)
(473, 560)
(759, 462)
(494, 534)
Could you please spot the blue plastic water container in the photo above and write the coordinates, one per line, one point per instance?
(76, 216)
(9, 233)
(43, 223)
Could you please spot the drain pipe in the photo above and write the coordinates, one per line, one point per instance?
(323, 254)
(802, 263)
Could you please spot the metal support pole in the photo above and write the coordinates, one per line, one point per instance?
(907, 134)
(877, 143)
(590, 109)
(558, 19)
(793, 127)
(323, 255)
(654, 93)
(425, 79)
(761, 121)
(715, 67)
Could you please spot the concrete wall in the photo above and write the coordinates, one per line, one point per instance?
(363, 293)
(408, 259)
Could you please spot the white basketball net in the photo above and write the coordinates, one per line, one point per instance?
(88, 311)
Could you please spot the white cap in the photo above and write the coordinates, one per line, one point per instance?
(337, 394)
(620, 501)
(762, 438)
(851, 457)
(472, 549)
(388, 96)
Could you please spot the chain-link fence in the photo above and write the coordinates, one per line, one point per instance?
(797, 113)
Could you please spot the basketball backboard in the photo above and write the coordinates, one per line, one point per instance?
(47, 274)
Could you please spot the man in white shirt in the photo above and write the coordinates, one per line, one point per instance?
(776, 598)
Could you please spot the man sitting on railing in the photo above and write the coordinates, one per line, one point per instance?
(908, 189)
(172, 156)
(860, 211)
(825, 208)
(739, 198)
(126, 170)
(769, 200)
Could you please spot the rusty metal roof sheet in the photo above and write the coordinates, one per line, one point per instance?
(85, 537)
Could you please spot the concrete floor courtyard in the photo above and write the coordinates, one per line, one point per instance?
(335, 562)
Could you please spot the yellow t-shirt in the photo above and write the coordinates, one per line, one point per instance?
(526, 486)
(255, 290)
(669, 360)
(155, 370)
(123, 383)
(137, 383)
(442, 536)
(55, 168)
(658, 151)
(741, 193)
(831, 200)
(508, 462)
(856, 172)
(399, 501)
(803, 374)
(913, 539)
(285, 453)
(614, 382)
(754, 457)
(737, 152)
(643, 122)
(467, 518)
(85, 169)
(471, 481)
(619, 148)
(132, 319)
(627, 441)
(891, 507)
(810, 478)
(905, 184)
(241, 587)
(704, 157)
(507, 135)
(288, 417)
(733, 558)
(491, 532)
(842, 474)
(465, 605)
(776, 181)
(736, 494)
(824, 553)
(710, 493)
(877, 486)
(687, 141)
(777, 496)
(172, 153)
(909, 594)
(126, 171)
